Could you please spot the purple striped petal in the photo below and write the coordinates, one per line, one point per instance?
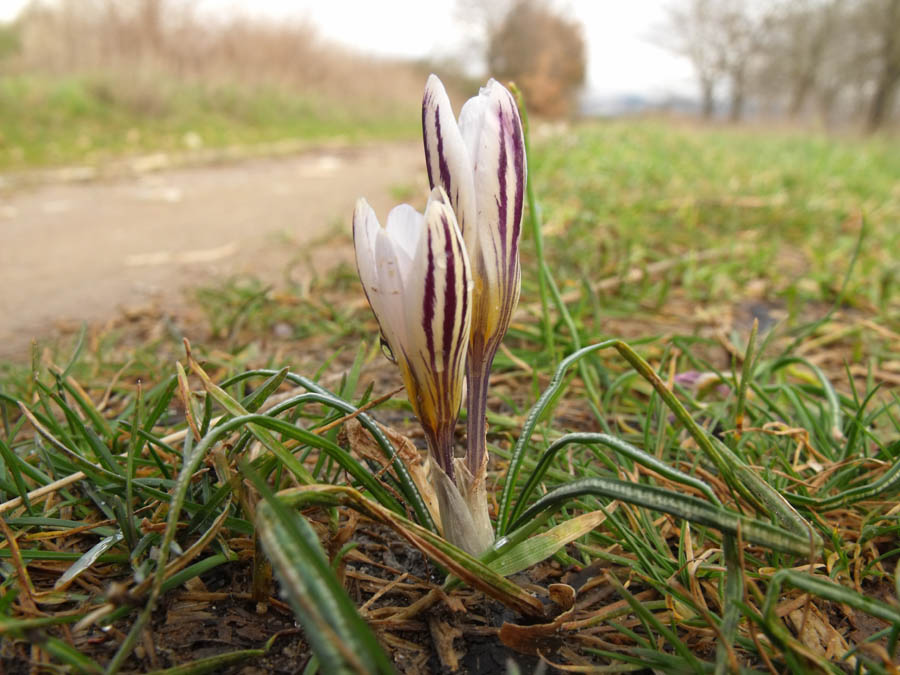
(415, 272)
(439, 316)
(446, 157)
(487, 147)
(491, 129)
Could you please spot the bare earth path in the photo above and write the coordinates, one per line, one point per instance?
(81, 251)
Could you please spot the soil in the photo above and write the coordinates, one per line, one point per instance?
(82, 251)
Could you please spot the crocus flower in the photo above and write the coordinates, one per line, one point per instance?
(480, 162)
(415, 273)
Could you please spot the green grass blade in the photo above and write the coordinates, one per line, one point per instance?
(834, 406)
(346, 461)
(341, 640)
(13, 463)
(319, 394)
(135, 443)
(268, 440)
(734, 594)
(746, 376)
(679, 505)
(70, 655)
(162, 395)
(518, 455)
(76, 351)
(695, 664)
(87, 407)
(89, 558)
(825, 588)
(639, 456)
(254, 401)
(888, 484)
(541, 546)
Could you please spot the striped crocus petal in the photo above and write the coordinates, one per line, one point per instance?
(438, 317)
(492, 132)
(416, 276)
(446, 156)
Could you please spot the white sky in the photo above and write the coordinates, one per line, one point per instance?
(621, 59)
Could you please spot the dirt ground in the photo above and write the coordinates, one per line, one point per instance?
(74, 251)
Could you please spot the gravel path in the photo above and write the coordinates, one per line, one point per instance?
(73, 252)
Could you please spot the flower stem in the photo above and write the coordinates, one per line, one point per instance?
(477, 379)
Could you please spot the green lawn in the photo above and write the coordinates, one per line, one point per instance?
(741, 485)
(50, 120)
(785, 209)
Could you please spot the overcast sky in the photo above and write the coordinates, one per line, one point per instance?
(621, 59)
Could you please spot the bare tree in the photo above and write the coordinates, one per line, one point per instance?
(689, 29)
(883, 19)
(796, 47)
(744, 28)
(723, 40)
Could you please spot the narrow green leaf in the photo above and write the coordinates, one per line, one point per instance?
(887, 484)
(834, 406)
(734, 595)
(253, 402)
(518, 455)
(70, 656)
(319, 394)
(825, 588)
(135, 444)
(86, 406)
(13, 461)
(746, 376)
(162, 395)
(679, 505)
(89, 558)
(268, 440)
(542, 546)
(40, 554)
(340, 638)
(636, 454)
(349, 385)
(648, 617)
(470, 570)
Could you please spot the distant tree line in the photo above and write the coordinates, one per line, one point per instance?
(836, 61)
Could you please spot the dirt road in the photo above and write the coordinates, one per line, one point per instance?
(81, 251)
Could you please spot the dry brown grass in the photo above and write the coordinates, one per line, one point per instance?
(136, 44)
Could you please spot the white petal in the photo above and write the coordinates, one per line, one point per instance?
(439, 195)
(471, 123)
(365, 229)
(387, 296)
(404, 227)
(446, 156)
(491, 122)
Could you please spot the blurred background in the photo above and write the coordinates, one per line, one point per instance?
(138, 138)
(85, 77)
